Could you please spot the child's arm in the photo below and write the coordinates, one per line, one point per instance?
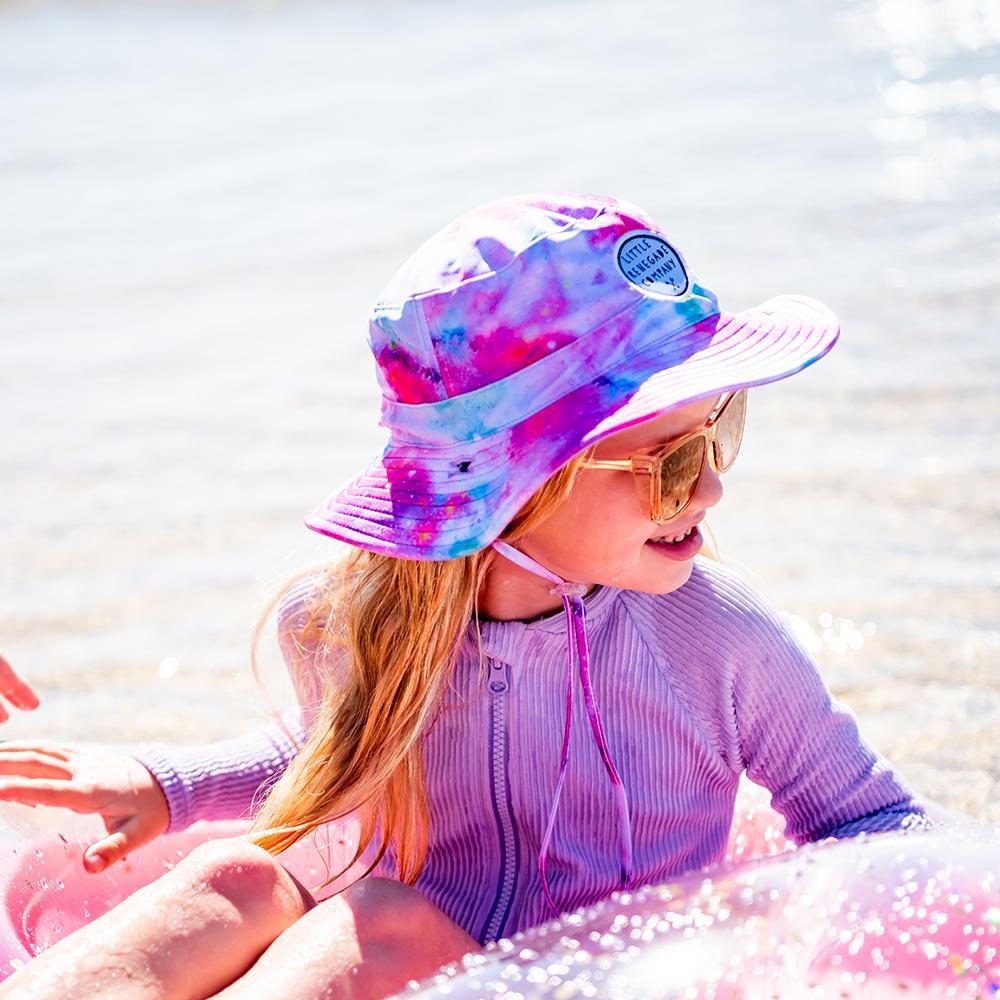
(805, 747)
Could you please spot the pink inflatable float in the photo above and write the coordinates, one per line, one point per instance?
(912, 914)
(45, 893)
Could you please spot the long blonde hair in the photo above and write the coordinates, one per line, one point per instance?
(398, 623)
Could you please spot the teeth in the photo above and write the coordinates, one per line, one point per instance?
(676, 538)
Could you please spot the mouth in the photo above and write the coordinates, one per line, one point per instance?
(680, 545)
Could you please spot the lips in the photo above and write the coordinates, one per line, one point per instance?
(680, 551)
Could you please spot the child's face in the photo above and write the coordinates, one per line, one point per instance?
(602, 533)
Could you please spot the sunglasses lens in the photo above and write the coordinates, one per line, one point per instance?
(729, 430)
(679, 473)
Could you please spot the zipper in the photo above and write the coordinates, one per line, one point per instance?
(498, 682)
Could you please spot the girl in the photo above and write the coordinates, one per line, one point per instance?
(561, 396)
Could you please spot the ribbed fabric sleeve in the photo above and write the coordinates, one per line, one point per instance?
(225, 780)
(792, 736)
(221, 780)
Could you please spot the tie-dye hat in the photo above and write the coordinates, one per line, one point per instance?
(522, 333)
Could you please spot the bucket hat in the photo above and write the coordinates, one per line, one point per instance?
(525, 331)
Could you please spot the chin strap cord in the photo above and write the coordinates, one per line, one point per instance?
(578, 650)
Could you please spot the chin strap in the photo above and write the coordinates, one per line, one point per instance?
(576, 634)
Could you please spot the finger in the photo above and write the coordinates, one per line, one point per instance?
(129, 836)
(48, 792)
(29, 764)
(18, 691)
(48, 749)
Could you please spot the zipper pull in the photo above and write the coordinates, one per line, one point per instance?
(497, 680)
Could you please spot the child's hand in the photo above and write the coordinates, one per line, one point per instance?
(114, 785)
(16, 691)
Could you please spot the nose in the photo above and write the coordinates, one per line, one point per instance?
(709, 490)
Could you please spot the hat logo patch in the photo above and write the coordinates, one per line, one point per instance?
(649, 262)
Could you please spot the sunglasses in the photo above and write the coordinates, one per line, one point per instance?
(674, 468)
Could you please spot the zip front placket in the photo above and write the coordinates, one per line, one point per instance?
(498, 682)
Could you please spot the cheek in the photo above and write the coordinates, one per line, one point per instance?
(601, 524)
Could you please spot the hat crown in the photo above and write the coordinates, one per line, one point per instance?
(504, 286)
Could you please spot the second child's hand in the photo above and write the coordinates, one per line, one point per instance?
(17, 691)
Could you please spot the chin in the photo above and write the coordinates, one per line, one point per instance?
(662, 582)
(677, 579)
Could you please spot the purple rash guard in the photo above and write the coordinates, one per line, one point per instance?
(696, 687)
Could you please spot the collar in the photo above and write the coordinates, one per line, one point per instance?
(508, 640)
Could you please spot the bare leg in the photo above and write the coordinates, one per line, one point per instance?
(367, 942)
(186, 935)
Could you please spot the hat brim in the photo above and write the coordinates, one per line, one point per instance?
(442, 503)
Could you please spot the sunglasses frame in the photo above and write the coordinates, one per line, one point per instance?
(647, 461)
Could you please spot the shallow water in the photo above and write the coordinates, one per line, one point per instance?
(200, 202)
